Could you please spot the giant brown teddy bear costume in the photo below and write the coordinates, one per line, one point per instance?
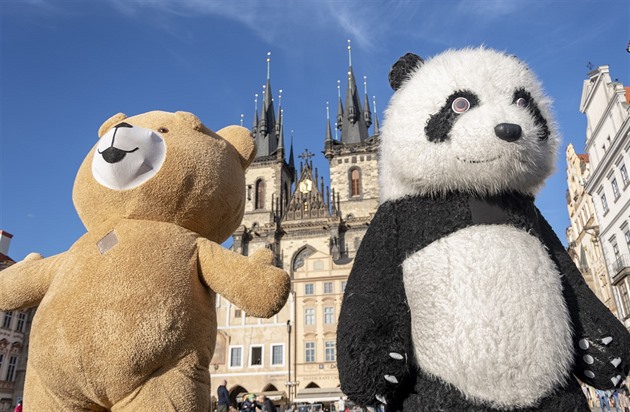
(126, 318)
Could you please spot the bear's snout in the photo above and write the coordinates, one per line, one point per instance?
(114, 155)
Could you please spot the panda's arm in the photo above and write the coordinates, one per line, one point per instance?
(373, 336)
(602, 343)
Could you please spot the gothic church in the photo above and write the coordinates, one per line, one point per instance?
(314, 232)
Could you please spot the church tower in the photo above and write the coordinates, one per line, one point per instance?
(353, 160)
(314, 232)
(269, 179)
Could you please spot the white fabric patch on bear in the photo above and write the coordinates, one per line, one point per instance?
(126, 157)
(488, 315)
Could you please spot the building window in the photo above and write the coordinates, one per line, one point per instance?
(615, 188)
(343, 285)
(329, 315)
(309, 316)
(624, 175)
(604, 203)
(330, 351)
(236, 357)
(277, 355)
(11, 368)
(328, 287)
(256, 356)
(309, 353)
(8, 317)
(21, 321)
(309, 289)
(625, 299)
(355, 182)
(259, 200)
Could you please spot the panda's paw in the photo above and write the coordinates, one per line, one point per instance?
(397, 369)
(598, 365)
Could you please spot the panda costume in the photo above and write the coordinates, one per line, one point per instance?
(461, 297)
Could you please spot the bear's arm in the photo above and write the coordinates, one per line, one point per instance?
(374, 331)
(602, 343)
(24, 284)
(250, 282)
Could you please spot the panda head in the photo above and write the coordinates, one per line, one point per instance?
(472, 120)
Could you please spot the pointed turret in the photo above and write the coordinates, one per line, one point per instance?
(291, 159)
(339, 106)
(328, 143)
(376, 130)
(255, 126)
(367, 113)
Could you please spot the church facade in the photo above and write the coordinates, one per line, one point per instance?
(314, 231)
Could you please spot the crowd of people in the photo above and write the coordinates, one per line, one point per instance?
(609, 401)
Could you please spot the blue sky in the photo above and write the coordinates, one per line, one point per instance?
(68, 65)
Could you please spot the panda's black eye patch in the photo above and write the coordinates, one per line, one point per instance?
(439, 124)
(524, 100)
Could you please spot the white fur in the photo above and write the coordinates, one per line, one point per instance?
(488, 315)
(411, 164)
(135, 168)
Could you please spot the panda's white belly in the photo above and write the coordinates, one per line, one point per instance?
(488, 315)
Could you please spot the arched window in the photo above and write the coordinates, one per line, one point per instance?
(355, 182)
(286, 194)
(259, 200)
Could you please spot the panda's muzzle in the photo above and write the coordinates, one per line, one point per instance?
(509, 132)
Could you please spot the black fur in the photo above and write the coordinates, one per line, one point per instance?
(439, 124)
(400, 71)
(539, 119)
(375, 319)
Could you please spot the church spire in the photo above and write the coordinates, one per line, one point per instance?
(352, 120)
(266, 129)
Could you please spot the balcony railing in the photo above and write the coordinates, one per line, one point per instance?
(620, 267)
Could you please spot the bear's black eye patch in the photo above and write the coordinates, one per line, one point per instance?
(523, 99)
(439, 124)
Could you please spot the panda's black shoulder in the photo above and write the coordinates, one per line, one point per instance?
(421, 220)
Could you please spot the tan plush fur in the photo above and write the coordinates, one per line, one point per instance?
(131, 326)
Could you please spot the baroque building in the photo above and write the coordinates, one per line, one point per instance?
(314, 231)
(14, 331)
(606, 105)
(582, 235)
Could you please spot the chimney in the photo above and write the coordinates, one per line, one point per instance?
(5, 241)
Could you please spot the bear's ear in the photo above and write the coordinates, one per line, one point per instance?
(111, 122)
(401, 70)
(191, 120)
(241, 139)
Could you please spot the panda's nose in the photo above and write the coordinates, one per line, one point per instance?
(508, 131)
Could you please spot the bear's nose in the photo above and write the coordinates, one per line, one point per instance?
(508, 131)
(113, 155)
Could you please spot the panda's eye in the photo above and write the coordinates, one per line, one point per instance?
(460, 105)
(522, 102)
(163, 130)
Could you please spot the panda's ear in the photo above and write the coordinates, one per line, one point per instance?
(111, 122)
(401, 70)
